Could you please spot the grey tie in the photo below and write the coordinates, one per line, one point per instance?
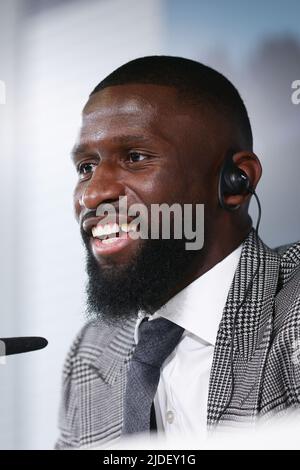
(157, 339)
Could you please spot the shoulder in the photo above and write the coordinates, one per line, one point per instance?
(93, 362)
(88, 344)
(97, 345)
(290, 260)
(282, 373)
(287, 301)
(286, 331)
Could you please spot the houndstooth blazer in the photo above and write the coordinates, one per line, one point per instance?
(265, 355)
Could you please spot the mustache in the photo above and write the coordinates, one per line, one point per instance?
(91, 213)
(85, 238)
(108, 208)
(86, 215)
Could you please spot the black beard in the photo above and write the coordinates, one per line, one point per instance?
(117, 294)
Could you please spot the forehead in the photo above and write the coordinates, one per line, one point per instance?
(149, 108)
(132, 98)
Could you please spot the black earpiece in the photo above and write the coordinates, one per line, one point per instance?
(232, 181)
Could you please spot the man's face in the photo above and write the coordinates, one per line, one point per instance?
(139, 141)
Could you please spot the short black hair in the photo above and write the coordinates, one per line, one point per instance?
(197, 82)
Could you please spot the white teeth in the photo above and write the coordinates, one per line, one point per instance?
(128, 228)
(133, 228)
(114, 228)
(96, 231)
(106, 229)
(107, 241)
(124, 227)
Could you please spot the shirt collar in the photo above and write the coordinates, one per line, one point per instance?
(198, 307)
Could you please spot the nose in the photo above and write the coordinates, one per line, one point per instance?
(103, 187)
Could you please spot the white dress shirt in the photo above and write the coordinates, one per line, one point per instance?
(181, 398)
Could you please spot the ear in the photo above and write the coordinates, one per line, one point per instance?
(250, 164)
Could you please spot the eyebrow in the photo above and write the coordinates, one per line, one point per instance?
(120, 139)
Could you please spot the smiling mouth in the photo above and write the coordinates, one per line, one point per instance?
(111, 238)
(109, 233)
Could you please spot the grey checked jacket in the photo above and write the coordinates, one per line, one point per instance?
(265, 355)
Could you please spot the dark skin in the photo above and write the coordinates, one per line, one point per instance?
(142, 141)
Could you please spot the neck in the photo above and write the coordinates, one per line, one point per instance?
(213, 252)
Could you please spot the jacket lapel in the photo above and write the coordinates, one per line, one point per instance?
(252, 333)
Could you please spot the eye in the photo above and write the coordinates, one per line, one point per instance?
(135, 157)
(85, 168)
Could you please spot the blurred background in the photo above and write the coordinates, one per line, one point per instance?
(52, 54)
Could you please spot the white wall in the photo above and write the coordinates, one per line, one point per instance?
(63, 53)
(7, 288)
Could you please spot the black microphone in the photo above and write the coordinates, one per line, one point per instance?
(21, 344)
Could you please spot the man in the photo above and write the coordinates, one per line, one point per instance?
(178, 339)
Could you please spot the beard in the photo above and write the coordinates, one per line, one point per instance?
(118, 293)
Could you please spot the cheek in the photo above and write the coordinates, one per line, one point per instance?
(163, 186)
(76, 201)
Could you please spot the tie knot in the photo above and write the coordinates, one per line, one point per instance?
(157, 339)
